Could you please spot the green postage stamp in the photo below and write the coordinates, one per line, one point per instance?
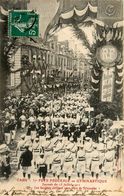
(23, 23)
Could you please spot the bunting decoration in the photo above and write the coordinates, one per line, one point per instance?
(120, 90)
(73, 10)
(94, 81)
(119, 82)
(95, 77)
(110, 11)
(87, 11)
(3, 14)
(119, 77)
(79, 13)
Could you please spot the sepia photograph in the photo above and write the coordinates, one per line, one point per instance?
(61, 97)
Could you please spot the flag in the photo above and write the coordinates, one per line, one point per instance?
(110, 11)
(109, 36)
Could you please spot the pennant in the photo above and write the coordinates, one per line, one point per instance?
(97, 64)
(95, 73)
(119, 82)
(3, 15)
(99, 38)
(116, 34)
(120, 90)
(96, 90)
(120, 66)
(120, 74)
(67, 15)
(104, 34)
(109, 36)
(119, 36)
(81, 12)
(94, 81)
(92, 8)
(3, 11)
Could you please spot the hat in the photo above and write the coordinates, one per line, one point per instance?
(41, 153)
(26, 145)
(47, 136)
(56, 133)
(110, 136)
(100, 139)
(12, 118)
(7, 122)
(4, 148)
(95, 146)
(71, 139)
(88, 127)
(36, 139)
(22, 136)
(81, 145)
(68, 148)
(87, 138)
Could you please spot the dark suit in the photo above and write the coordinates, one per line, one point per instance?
(26, 158)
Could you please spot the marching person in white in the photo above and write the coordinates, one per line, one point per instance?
(101, 149)
(73, 149)
(42, 166)
(56, 164)
(21, 146)
(109, 162)
(36, 151)
(88, 147)
(47, 119)
(48, 151)
(60, 148)
(55, 139)
(110, 143)
(95, 162)
(68, 164)
(7, 132)
(81, 161)
(23, 121)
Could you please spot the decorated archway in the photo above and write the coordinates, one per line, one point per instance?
(105, 53)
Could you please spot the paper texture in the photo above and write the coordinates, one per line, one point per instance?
(61, 97)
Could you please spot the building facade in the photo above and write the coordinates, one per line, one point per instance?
(37, 67)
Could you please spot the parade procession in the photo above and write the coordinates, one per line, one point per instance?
(61, 90)
(59, 137)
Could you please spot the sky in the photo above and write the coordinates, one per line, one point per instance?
(47, 10)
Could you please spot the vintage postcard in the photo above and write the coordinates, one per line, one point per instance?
(61, 98)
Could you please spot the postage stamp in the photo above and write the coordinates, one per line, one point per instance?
(23, 23)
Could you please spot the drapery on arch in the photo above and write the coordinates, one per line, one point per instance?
(81, 12)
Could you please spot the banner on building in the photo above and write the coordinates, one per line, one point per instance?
(107, 85)
(110, 11)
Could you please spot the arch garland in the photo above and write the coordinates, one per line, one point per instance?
(75, 13)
